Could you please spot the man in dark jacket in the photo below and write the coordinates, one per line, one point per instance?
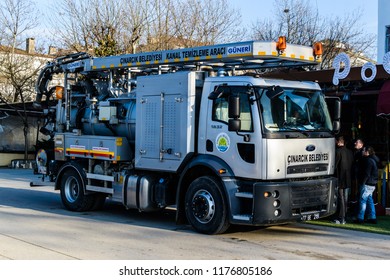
(357, 167)
(367, 181)
(344, 161)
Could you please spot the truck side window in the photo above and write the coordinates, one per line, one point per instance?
(245, 114)
(220, 110)
(221, 114)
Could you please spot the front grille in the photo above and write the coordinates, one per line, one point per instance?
(307, 168)
(306, 196)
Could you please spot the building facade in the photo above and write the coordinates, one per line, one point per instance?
(383, 29)
(18, 122)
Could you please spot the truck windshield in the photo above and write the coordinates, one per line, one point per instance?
(294, 109)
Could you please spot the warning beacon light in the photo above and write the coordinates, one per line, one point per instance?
(317, 49)
(281, 44)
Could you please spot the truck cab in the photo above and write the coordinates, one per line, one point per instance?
(274, 139)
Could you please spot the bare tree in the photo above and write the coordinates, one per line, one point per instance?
(105, 26)
(301, 23)
(207, 22)
(135, 24)
(72, 24)
(346, 35)
(100, 27)
(160, 29)
(127, 26)
(18, 68)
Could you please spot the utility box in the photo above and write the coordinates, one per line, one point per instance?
(92, 147)
(165, 120)
(107, 113)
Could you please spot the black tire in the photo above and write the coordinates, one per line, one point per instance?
(72, 192)
(205, 206)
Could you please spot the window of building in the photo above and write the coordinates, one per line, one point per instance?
(387, 40)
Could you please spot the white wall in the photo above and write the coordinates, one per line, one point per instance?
(383, 21)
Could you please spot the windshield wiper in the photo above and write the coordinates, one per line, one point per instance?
(294, 128)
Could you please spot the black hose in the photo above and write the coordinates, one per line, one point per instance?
(41, 86)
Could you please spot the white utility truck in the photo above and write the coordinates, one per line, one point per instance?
(190, 129)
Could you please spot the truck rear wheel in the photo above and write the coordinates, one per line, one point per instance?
(72, 192)
(205, 206)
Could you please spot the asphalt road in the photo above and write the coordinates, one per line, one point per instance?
(35, 226)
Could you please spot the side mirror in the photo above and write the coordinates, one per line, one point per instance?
(234, 107)
(336, 127)
(234, 116)
(337, 109)
(234, 125)
(334, 106)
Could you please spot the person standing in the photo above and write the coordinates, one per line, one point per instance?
(357, 168)
(368, 180)
(344, 161)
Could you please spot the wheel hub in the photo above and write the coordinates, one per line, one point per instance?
(203, 206)
(71, 189)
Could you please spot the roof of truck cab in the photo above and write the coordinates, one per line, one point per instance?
(264, 82)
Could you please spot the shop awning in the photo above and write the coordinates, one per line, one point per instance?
(383, 104)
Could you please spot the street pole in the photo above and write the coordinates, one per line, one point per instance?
(286, 11)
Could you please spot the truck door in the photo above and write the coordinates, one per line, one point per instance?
(237, 148)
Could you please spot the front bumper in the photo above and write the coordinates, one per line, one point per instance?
(272, 203)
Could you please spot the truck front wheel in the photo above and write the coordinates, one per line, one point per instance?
(205, 206)
(72, 192)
